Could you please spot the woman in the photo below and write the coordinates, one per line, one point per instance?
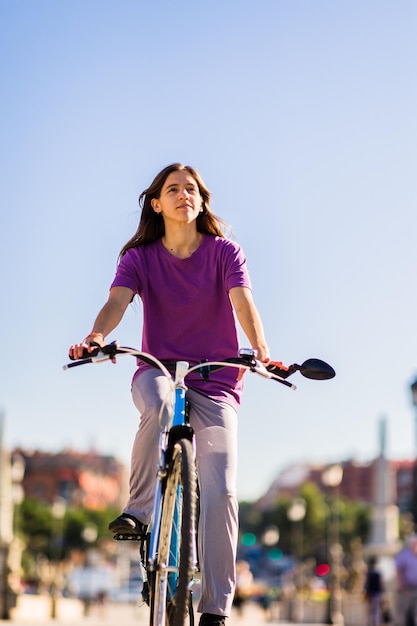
(192, 281)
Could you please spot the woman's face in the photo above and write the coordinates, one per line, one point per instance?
(180, 199)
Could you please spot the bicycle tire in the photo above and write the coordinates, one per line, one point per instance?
(171, 578)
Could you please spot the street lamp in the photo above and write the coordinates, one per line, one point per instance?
(271, 536)
(332, 477)
(58, 511)
(89, 535)
(414, 398)
(414, 495)
(296, 513)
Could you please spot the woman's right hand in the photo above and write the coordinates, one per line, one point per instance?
(108, 318)
(83, 349)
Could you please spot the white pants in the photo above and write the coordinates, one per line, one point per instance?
(215, 427)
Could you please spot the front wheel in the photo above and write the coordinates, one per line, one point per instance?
(171, 579)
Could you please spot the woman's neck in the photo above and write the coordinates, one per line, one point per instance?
(182, 244)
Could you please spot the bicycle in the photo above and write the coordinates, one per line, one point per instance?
(168, 551)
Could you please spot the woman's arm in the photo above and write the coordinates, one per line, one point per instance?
(106, 321)
(250, 320)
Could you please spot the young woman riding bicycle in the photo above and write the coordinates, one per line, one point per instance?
(192, 281)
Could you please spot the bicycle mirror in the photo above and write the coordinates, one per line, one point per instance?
(316, 369)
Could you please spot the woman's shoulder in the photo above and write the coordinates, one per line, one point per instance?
(222, 243)
(139, 257)
(143, 250)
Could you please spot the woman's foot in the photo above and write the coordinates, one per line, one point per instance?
(127, 525)
(208, 619)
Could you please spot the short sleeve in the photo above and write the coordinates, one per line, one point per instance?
(236, 274)
(128, 271)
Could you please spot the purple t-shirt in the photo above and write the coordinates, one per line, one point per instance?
(187, 313)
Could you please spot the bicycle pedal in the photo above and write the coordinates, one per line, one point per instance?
(124, 537)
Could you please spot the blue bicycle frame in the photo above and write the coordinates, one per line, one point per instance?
(179, 420)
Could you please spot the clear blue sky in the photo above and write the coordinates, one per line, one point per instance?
(301, 117)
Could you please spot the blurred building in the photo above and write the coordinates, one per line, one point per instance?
(358, 483)
(91, 480)
(98, 481)
(405, 482)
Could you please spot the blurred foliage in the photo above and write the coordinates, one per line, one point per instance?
(46, 537)
(325, 515)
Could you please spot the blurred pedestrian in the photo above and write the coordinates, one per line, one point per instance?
(244, 585)
(374, 593)
(406, 565)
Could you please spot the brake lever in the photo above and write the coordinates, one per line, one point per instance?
(267, 372)
(281, 370)
(106, 353)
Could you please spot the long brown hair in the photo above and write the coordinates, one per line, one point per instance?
(151, 224)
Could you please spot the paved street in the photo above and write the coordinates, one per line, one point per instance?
(129, 615)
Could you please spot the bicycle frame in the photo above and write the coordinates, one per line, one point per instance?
(179, 428)
(176, 460)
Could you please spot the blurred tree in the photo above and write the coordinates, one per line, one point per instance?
(353, 520)
(33, 524)
(36, 526)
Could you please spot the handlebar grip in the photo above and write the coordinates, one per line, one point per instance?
(86, 354)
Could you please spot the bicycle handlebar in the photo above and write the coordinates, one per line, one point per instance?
(311, 368)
